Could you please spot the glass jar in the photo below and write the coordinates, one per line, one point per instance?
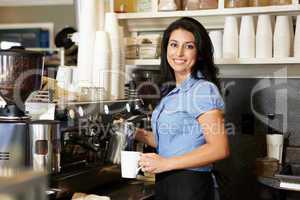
(281, 2)
(257, 3)
(167, 5)
(191, 4)
(149, 46)
(132, 48)
(208, 4)
(144, 6)
(179, 4)
(236, 3)
(124, 6)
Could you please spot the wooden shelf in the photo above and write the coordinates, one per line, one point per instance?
(142, 62)
(244, 61)
(34, 2)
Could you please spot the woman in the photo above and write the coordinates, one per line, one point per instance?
(188, 124)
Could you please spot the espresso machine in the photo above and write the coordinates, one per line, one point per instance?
(87, 140)
(82, 143)
(20, 75)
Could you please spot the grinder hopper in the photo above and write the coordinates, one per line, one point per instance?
(20, 75)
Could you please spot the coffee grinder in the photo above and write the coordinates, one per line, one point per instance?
(20, 75)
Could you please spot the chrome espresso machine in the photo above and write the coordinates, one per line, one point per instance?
(87, 131)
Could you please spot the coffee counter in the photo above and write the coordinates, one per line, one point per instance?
(281, 182)
(110, 184)
(132, 189)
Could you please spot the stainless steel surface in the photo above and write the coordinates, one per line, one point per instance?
(22, 185)
(13, 144)
(14, 118)
(45, 147)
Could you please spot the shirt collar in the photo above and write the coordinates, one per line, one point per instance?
(187, 83)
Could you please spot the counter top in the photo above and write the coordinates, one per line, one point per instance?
(128, 189)
(282, 182)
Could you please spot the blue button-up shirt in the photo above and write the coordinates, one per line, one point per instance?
(174, 120)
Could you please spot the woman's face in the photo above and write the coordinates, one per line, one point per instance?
(181, 51)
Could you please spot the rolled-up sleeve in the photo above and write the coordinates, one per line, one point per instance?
(205, 96)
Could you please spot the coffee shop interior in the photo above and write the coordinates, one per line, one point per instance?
(77, 77)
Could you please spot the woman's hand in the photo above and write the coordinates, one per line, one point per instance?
(144, 136)
(140, 134)
(153, 163)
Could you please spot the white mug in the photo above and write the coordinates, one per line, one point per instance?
(275, 146)
(130, 163)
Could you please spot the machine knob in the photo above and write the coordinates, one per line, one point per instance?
(72, 114)
(80, 111)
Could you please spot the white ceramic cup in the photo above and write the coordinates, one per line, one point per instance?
(130, 163)
(275, 146)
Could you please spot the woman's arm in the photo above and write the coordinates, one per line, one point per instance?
(146, 137)
(215, 148)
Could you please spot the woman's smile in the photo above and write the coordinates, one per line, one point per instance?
(179, 61)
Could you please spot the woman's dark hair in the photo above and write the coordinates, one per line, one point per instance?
(204, 64)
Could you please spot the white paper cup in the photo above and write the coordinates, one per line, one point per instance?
(275, 146)
(130, 163)
(216, 37)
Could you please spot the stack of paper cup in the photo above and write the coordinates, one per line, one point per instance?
(275, 146)
(264, 37)
(297, 38)
(86, 42)
(247, 37)
(112, 27)
(102, 63)
(216, 37)
(282, 39)
(230, 38)
(122, 64)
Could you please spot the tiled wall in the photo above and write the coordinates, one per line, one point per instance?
(248, 126)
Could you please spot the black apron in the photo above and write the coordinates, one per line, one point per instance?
(184, 185)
